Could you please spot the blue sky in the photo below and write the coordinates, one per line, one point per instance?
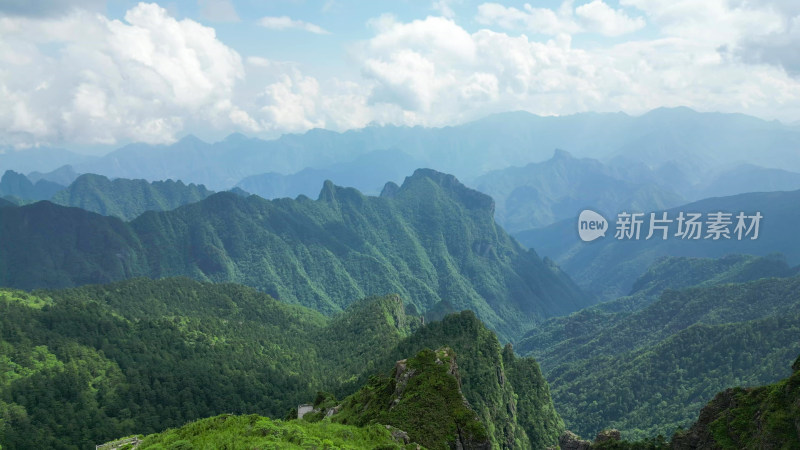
(100, 73)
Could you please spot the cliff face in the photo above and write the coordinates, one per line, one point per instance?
(765, 417)
(422, 398)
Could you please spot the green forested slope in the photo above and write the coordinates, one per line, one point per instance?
(85, 365)
(253, 431)
(502, 388)
(649, 369)
(605, 327)
(756, 418)
(421, 395)
(429, 240)
(126, 198)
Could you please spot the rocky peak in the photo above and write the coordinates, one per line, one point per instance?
(470, 198)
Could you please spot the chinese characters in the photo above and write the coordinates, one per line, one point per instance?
(688, 226)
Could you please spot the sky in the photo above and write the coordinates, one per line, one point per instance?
(101, 73)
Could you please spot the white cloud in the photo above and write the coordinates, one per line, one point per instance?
(81, 78)
(536, 20)
(258, 61)
(143, 79)
(713, 21)
(445, 7)
(778, 48)
(601, 18)
(594, 17)
(419, 80)
(287, 23)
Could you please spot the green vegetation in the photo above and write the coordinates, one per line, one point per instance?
(430, 240)
(422, 395)
(84, 365)
(634, 321)
(509, 394)
(756, 418)
(647, 366)
(253, 431)
(127, 199)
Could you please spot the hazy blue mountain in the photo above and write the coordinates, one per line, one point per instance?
(430, 240)
(189, 159)
(608, 267)
(748, 178)
(368, 173)
(128, 199)
(709, 140)
(540, 194)
(64, 175)
(42, 159)
(17, 185)
(660, 140)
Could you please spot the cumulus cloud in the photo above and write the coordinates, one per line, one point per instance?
(81, 78)
(287, 23)
(142, 79)
(601, 18)
(764, 32)
(778, 48)
(535, 20)
(594, 17)
(714, 22)
(472, 74)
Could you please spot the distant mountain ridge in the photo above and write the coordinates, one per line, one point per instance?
(431, 240)
(127, 199)
(540, 194)
(368, 173)
(608, 267)
(17, 188)
(692, 141)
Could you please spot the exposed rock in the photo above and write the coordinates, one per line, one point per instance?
(570, 441)
(398, 434)
(401, 376)
(607, 435)
(302, 410)
(699, 435)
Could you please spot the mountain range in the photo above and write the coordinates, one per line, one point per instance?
(646, 364)
(429, 240)
(89, 364)
(540, 194)
(664, 140)
(127, 199)
(608, 267)
(395, 309)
